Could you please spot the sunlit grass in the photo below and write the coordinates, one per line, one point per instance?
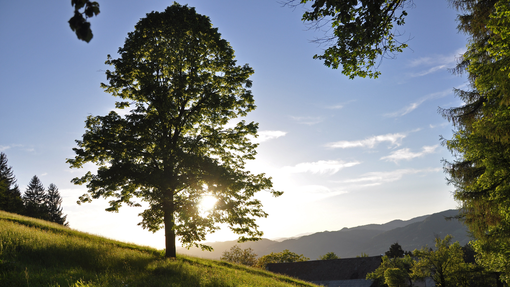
(38, 253)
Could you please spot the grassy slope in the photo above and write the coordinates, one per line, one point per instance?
(38, 253)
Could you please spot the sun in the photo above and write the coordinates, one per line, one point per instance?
(207, 203)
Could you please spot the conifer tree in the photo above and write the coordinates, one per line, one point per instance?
(481, 140)
(10, 196)
(53, 204)
(34, 199)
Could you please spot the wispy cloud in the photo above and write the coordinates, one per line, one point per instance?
(335, 107)
(17, 146)
(268, 135)
(413, 106)
(321, 167)
(429, 71)
(393, 139)
(438, 62)
(439, 125)
(406, 154)
(309, 121)
(338, 106)
(380, 177)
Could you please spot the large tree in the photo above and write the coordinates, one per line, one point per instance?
(176, 144)
(481, 140)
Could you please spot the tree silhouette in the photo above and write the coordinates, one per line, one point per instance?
(34, 199)
(174, 147)
(10, 196)
(53, 205)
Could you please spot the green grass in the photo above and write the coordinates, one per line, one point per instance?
(38, 253)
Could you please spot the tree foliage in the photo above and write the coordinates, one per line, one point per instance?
(481, 140)
(280, 257)
(10, 196)
(34, 199)
(395, 251)
(445, 265)
(78, 22)
(363, 32)
(404, 264)
(240, 256)
(54, 206)
(395, 277)
(329, 256)
(183, 86)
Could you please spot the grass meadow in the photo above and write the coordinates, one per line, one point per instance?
(37, 253)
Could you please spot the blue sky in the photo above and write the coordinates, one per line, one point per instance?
(345, 152)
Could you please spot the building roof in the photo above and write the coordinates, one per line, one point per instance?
(328, 270)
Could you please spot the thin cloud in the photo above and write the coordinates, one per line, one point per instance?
(338, 106)
(380, 177)
(413, 106)
(439, 125)
(264, 136)
(439, 62)
(309, 121)
(321, 167)
(335, 107)
(2, 148)
(393, 139)
(406, 154)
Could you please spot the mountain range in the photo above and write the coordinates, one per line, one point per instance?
(372, 239)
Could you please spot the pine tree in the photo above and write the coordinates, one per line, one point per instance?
(34, 199)
(53, 204)
(10, 197)
(481, 140)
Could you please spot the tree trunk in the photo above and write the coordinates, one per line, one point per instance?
(168, 209)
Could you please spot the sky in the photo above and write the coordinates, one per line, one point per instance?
(345, 152)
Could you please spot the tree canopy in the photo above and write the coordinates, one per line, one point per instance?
(445, 264)
(481, 139)
(182, 83)
(329, 256)
(363, 32)
(240, 256)
(78, 22)
(285, 256)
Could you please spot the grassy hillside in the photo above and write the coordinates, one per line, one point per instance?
(38, 253)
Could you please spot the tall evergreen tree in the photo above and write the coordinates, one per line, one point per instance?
(35, 199)
(53, 204)
(10, 196)
(481, 141)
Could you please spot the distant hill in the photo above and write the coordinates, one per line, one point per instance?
(373, 239)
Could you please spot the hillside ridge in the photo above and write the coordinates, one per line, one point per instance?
(372, 239)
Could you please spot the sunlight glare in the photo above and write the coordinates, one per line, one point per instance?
(207, 203)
